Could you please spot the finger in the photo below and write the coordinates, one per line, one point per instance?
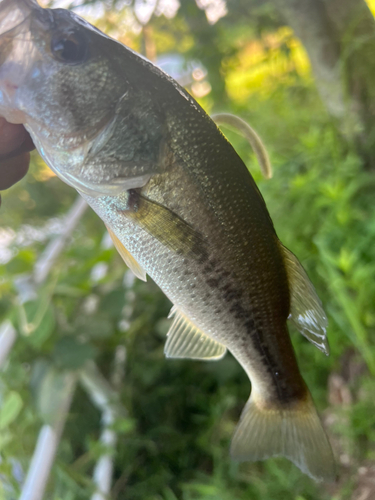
(13, 169)
(26, 146)
(11, 136)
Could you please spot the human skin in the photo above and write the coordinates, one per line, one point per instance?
(15, 147)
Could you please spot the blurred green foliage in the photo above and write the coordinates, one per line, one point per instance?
(173, 443)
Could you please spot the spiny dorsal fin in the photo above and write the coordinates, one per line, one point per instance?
(306, 311)
(127, 257)
(185, 340)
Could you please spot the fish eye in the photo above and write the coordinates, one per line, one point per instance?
(69, 48)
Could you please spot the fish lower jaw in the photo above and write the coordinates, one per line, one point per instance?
(11, 115)
(54, 137)
(57, 140)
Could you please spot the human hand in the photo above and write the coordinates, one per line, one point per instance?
(15, 147)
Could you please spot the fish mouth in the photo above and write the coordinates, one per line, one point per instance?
(58, 139)
(14, 34)
(67, 152)
(14, 12)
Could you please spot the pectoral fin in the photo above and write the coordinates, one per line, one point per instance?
(185, 340)
(166, 226)
(127, 257)
(306, 311)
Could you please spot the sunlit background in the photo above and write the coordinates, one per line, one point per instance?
(87, 320)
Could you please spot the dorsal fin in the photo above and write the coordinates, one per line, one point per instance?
(306, 311)
(252, 137)
(185, 340)
(127, 257)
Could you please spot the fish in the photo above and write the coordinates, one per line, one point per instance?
(180, 206)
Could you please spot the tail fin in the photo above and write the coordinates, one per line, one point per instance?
(295, 433)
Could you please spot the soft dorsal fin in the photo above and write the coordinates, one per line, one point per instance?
(306, 311)
(185, 340)
(127, 257)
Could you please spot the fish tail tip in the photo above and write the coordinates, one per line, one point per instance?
(295, 433)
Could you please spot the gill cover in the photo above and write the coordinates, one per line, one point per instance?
(67, 83)
(15, 42)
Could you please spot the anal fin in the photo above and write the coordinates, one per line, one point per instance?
(185, 340)
(306, 311)
(127, 257)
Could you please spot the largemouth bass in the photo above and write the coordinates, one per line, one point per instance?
(180, 206)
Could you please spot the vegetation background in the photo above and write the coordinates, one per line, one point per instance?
(173, 436)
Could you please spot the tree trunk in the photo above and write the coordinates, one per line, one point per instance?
(354, 27)
(339, 37)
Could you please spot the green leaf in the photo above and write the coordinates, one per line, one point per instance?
(96, 326)
(37, 320)
(39, 370)
(10, 409)
(168, 494)
(51, 393)
(71, 354)
(124, 425)
(5, 439)
(44, 329)
(113, 303)
(22, 262)
(208, 490)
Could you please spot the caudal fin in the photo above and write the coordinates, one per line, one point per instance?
(294, 432)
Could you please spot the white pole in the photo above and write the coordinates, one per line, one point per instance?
(56, 246)
(8, 336)
(103, 397)
(42, 268)
(103, 471)
(47, 443)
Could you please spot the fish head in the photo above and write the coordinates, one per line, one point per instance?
(65, 81)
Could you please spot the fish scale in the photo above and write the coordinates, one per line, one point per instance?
(180, 205)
